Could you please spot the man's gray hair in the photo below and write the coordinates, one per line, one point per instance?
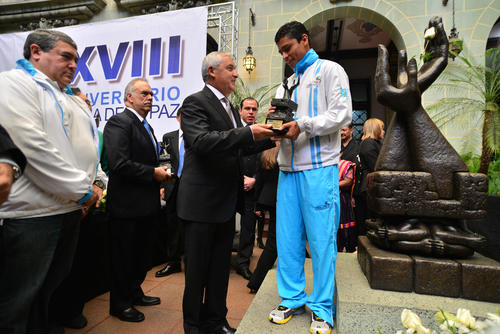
(129, 88)
(46, 40)
(212, 59)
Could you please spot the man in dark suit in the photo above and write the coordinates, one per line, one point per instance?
(248, 112)
(133, 199)
(12, 163)
(209, 190)
(174, 143)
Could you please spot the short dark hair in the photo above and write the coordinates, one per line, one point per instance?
(46, 40)
(292, 29)
(248, 98)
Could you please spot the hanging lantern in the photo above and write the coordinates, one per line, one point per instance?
(456, 44)
(249, 61)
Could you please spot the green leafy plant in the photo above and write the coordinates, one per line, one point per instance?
(477, 89)
(473, 162)
(262, 95)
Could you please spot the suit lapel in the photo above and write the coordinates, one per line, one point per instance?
(143, 130)
(236, 116)
(218, 106)
(174, 149)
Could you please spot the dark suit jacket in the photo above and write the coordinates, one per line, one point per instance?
(171, 141)
(266, 186)
(350, 151)
(368, 154)
(249, 168)
(8, 147)
(132, 191)
(211, 186)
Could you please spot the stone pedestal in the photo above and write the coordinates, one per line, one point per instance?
(360, 309)
(475, 278)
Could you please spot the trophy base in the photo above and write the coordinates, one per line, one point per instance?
(280, 132)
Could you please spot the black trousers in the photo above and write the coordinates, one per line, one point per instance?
(90, 273)
(208, 254)
(131, 241)
(247, 232)
(268, 256)
(175, 237)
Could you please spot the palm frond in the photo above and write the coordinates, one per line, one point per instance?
(476, 89)
(242, 91)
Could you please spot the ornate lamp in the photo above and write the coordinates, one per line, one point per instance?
(456, 44)
(249, 61)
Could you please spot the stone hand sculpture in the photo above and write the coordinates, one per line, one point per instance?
(415, 143)
(421, 186)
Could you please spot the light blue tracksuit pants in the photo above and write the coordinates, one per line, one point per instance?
(308, 207)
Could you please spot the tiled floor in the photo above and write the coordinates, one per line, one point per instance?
(165, 318)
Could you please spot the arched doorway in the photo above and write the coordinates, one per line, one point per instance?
(350, 38)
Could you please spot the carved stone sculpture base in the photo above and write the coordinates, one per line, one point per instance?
(476, 278)
(414, 194)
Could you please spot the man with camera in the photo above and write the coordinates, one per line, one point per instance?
(308, 205)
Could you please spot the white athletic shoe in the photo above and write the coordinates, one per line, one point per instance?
(282, 314)
(319, 326)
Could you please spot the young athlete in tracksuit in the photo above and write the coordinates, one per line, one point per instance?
(308, 204)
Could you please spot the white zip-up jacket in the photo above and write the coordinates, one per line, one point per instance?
(41, 118)
(324, 107)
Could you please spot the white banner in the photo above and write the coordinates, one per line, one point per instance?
(165, 48)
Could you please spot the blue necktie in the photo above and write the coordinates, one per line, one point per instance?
(181, 158)
(146, 125)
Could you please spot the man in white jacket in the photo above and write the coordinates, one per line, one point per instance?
(40, 219)
(308, 204)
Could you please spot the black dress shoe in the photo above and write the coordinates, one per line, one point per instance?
(225, 329)
(170, 268)
(245, 272)
(130, 314)
(147, 301)
(77, 322)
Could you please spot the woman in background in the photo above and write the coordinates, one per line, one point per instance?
(346, 234)
(371, 143)
(266, 185)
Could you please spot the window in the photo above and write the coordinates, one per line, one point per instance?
(360, 95)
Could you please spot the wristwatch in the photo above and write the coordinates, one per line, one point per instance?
(99, 183)
(17, 172)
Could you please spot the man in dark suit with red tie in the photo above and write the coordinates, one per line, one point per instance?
(210, 189)
(133, 199)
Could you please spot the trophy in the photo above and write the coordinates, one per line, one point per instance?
(164, 158)
(285, 109)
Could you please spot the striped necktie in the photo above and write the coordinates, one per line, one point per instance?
(227, 106)
(146, 125)
(181, 157)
